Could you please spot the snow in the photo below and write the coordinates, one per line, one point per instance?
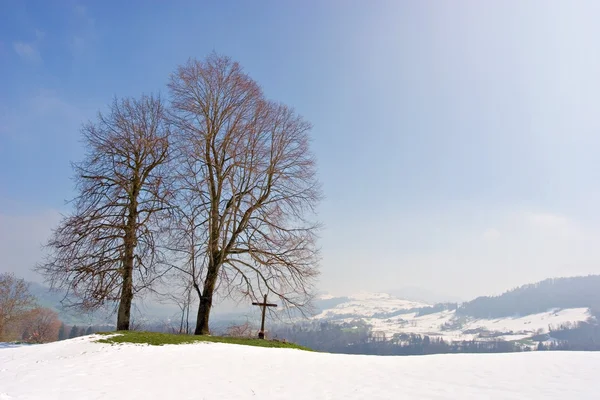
(6, 345)
(535, 322)
(469, 328)
(366, 304)
(81, 369)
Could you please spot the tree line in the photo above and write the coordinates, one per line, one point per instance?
(73, 331)
(579, 336)
(209, 193)
(357, 337)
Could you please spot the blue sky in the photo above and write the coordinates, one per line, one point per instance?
(457, 141)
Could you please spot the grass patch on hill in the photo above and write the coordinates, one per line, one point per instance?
(159, 339)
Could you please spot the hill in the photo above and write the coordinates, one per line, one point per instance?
(573, 292)
(363, 304)
(82, 369)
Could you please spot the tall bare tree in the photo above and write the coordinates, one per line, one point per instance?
(106, 250)
(248, 177)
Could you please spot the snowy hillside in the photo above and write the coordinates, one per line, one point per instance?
(450, 327)
(80, 369)
(391, 315)
(365, 304)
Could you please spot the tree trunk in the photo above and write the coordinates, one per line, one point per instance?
(213, 269)
(206, 301)
(187, 318)
(123, 316)
(203, 315)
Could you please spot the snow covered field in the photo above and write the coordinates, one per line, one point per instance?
(80, 369)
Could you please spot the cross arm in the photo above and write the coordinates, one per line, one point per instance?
(264, 304)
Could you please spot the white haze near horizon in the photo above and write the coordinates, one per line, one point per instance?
(480, 171)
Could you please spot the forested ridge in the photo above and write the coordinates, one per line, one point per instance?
(572, 292)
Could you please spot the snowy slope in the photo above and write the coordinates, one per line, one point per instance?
(79, 369)
(375, 308)
(465, 328)
(365, 304)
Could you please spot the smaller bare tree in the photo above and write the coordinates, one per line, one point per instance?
(40, 325)
(240, 330)
(15, 302)
(184, 244)
(180, 294)
(106, 250)
(184, 302)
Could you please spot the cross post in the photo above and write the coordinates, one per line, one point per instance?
(263, 305)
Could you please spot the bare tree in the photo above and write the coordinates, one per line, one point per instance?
(185, 303)
(106, 250)
(15, 302)
(248, 177)
(186, 241)
(180, 293)
(40, 325)
(240, 330)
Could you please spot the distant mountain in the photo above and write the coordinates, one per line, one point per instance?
(46, 297)
(364, 305)
(573, 292)
(53, 300)
(422, 295)
(325, 302)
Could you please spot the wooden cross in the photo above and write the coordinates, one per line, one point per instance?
(263, 305)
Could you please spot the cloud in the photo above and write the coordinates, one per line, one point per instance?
(545, 220)
(28, 51)
(80, 11)
(78, 43)
(21, 121)
(491, 234)
(47, 102)
(555, 225)
(85, 33)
